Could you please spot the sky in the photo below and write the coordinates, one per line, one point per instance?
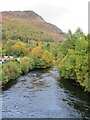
(65, 14)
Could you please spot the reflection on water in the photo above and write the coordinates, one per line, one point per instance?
(40, 94)
(76, 97)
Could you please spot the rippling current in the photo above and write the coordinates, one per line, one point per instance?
(42, 94)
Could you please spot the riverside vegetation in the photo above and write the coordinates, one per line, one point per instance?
(70, 56)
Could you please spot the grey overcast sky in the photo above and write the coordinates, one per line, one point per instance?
(65, 14)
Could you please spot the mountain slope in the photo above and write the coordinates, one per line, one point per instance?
(29, 19)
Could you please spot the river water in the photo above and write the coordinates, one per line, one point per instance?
(42, 94)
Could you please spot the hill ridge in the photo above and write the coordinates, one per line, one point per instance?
(32, 19)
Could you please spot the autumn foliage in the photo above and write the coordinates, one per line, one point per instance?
(73, 59)
(42, 58)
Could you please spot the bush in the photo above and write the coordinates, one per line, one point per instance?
(26, 64)
(16, 48)
(4, 77)
(10, 71)
(47, 59)
(42, 58)
(74, 63)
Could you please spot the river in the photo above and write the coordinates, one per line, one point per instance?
(42, 94)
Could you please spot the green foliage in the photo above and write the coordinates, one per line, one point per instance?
(3, 52)
(42, 58)
(16, 48)
(7, 46)
(26, 64)
(73, 62)
(67, 65)
(24, 33)
(4, 77)
(10, 71)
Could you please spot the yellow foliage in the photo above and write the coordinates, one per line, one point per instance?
(26, 50)
(37, 51)
(47, 57)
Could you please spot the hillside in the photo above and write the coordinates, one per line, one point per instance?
(25, 25)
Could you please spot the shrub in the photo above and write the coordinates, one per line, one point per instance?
(4, 77)
(74, 63)
(42, 58)
(26, 64)
(18, 48)
(10, 71)
(47, 59)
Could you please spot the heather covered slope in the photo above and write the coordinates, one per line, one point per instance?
(31, 25)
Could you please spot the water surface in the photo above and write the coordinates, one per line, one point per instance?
(41, 94)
